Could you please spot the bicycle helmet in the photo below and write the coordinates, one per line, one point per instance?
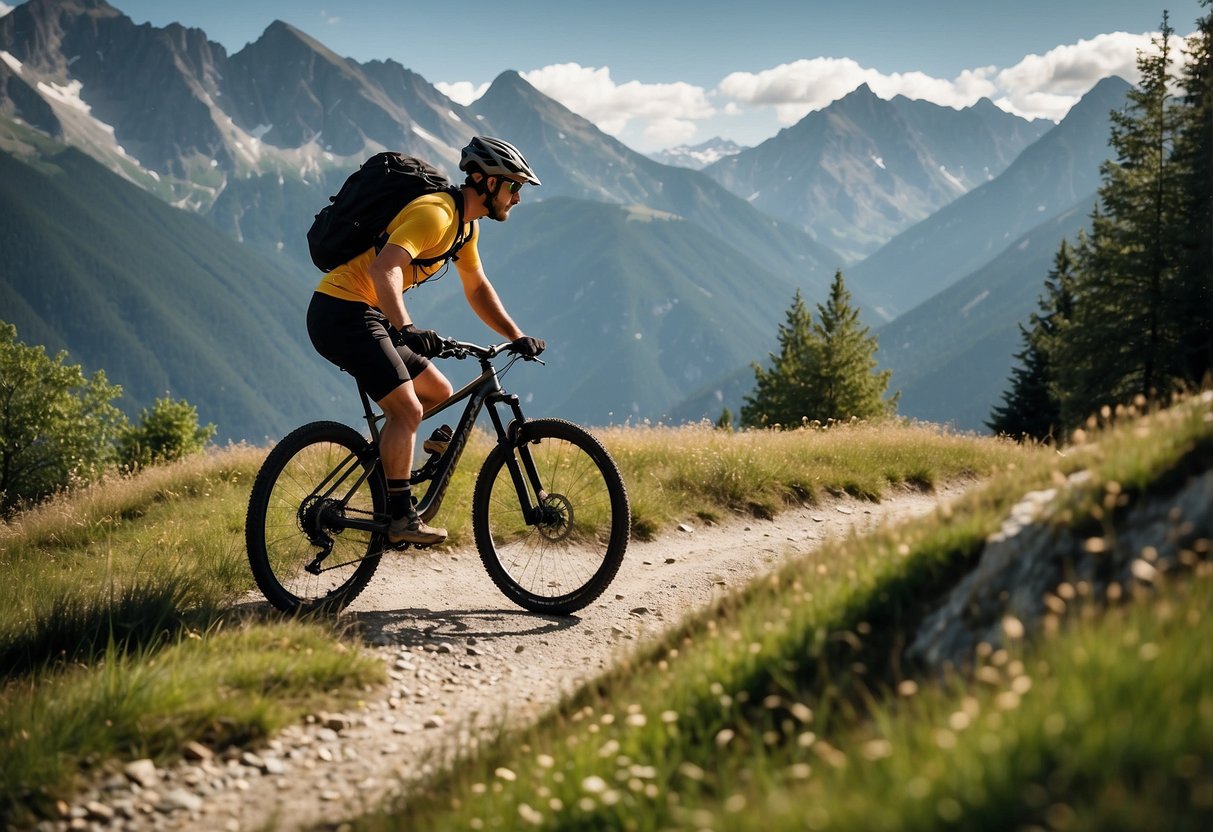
(494, 157)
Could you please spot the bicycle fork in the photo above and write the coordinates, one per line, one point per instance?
(519, 461)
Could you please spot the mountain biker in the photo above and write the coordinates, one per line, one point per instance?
(357, 318)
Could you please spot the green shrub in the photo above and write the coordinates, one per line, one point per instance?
(167, 432)
(56, 426)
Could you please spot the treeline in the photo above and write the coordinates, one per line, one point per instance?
(1127, 310)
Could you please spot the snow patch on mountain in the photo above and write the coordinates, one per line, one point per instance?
(953, 180)
(699, 156)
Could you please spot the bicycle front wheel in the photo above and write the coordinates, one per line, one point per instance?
(565, 555)
(302, 554)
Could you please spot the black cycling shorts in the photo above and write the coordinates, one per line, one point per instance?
(356, 338)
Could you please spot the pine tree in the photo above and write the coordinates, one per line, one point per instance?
(1031, 407)
(846, 381)
(779, 395)
(1123, 339)
(1194, 153)
(824, 370)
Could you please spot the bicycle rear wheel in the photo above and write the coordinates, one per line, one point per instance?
(319, 475)
(564, 561)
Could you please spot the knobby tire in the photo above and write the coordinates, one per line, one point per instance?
(283, 509)
(563, 564)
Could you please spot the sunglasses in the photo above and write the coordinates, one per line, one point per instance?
(513, 185)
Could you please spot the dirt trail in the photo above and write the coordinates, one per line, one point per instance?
(463, 658)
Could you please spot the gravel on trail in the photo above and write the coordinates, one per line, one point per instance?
(462, 661)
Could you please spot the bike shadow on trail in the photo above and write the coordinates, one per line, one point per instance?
(417, 627)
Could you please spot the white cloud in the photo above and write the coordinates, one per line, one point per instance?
(461, 92)
(661, 115)
(794, 90)
(1039, 86)
(590, 92)
(1048, 85)
(666, 132)
(330, 19)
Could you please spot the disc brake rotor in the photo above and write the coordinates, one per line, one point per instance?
(556, 520)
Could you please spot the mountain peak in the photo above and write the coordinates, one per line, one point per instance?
(510, 90)
(1109, 93)
(73, 6)
(861, 93)
(34, 32)
(862, 98)
(1111, 84)
(510, 81)
(281, 38)
(280, 30)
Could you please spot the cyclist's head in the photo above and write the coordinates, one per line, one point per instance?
(494, 157)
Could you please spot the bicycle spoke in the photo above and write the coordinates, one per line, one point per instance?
(565, 557)
(310, 482)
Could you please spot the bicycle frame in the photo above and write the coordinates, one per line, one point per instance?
(484, 390)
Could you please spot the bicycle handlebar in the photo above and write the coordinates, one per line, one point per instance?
(452, 348)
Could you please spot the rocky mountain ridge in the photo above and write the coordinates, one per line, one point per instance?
(860, 171)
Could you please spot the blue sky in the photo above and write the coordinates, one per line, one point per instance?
(657, 73)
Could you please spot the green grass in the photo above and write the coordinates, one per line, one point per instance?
(124, 603)
(787, 706)
(760, 473)
(121, 632)
(231, 685)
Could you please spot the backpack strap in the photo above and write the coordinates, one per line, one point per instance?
(456, 194)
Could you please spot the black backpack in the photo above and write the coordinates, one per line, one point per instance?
(357, 217)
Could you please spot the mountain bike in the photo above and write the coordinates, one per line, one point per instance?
(550, 513)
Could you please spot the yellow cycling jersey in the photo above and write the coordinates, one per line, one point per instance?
(424, 228)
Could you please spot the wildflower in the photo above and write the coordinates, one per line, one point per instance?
(877, 749)
(830, 754)
(1008, 700)
(593, 784)
(691, 772)
(1143, 571)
